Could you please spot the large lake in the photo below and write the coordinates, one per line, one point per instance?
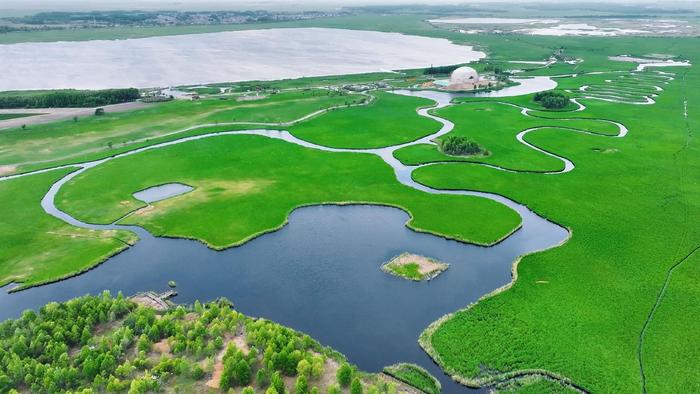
(219, 57)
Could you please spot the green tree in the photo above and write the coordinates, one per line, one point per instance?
(304, 368)
(277, 382)
(243, 373)
(197, 372)
(356, 386)
(334, 389)
(262, 378)
(344, 375)
(302, 385)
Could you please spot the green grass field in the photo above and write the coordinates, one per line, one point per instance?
(36, 248)
(247, 185)
(45, 145)
(578, 310)
(494, 126)
(389, 120)
(409, 271)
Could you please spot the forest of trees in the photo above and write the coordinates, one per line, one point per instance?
(68, 98)
(106, 344)
(460, 146)
(552, 100)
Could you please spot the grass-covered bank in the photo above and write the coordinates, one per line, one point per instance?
(577, 311)
(45, 145)
(414, 376)
(36, 248)
(248, 185)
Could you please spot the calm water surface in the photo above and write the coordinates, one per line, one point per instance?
(268, 54)
(321, 275)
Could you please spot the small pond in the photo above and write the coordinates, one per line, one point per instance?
(162, 192)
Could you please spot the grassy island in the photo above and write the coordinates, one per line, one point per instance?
(414, 376)
(414, 267)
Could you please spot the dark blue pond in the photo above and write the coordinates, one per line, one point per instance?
(321, 275)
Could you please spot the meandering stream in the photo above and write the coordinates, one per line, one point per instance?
(320, 274)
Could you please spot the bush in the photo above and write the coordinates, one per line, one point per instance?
(356, 386)
(552, 100)
(344, 375)
(460, 146)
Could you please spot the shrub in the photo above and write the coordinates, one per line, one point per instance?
(460, 146)
(552, 100)
(344, 375)
(356, 386)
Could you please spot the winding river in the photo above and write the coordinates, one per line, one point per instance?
(320, 274)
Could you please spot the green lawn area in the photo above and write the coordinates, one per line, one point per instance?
(578, 310)
(40, 146)
(494, 126)
(247, 185)
(389, 120)
(37, 248)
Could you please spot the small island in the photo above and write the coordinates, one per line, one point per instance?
(461, 146)
(414, 376)
(414, 267)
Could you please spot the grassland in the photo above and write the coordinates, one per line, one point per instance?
(494, 126)
(37, 248)
(42, 146)
(415, 376)
(382, 123)
(247, 185)
(578, 310)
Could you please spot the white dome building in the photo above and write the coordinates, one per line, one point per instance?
(464, 75)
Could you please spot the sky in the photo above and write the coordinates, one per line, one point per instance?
(10, 7)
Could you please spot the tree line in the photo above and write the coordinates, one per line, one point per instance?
(108, 344)
(69, 98)
(440, 69)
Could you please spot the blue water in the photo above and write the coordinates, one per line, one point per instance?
(321, 275)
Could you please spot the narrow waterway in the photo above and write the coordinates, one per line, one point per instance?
(321, 273)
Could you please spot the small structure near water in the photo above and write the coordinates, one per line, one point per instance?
(414, 267)
(154, 300)
(463, 79)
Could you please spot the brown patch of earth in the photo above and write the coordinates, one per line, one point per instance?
(162, 347)
(240, 343)
(204, 191)
(7, 170)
